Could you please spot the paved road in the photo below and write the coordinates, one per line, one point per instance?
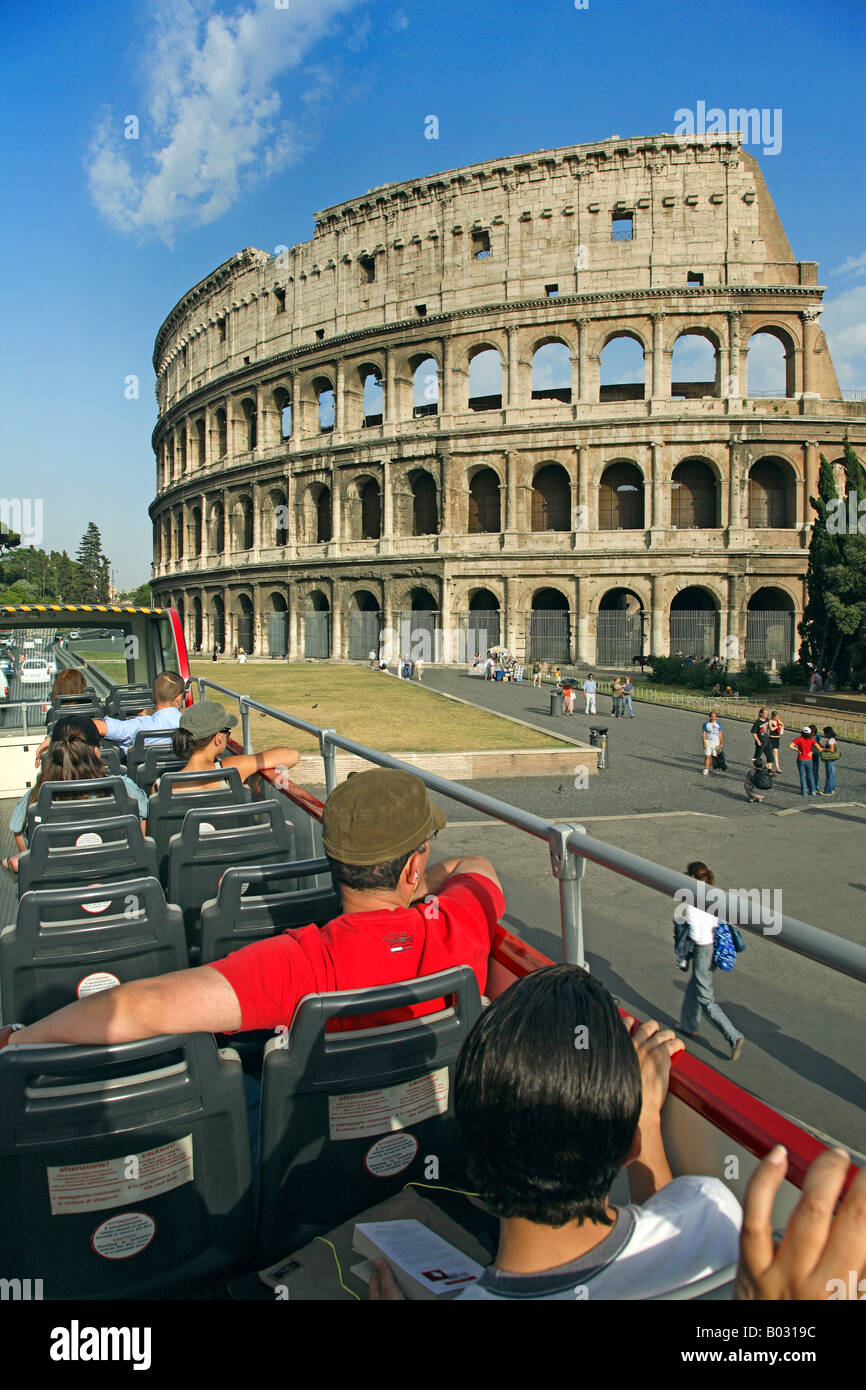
(803, 1023)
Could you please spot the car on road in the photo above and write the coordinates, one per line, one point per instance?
(37, 671)
(4, 685)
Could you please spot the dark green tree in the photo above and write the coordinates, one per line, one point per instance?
(846, 579)
(819, 632)
(92, 561)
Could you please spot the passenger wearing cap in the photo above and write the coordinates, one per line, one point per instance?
(402, 918)
(202, 739)
(70, 755)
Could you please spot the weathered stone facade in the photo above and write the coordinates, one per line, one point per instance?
(568, 520)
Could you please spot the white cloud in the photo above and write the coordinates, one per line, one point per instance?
(855, 265)
(214, 124)
(844, 325)
(400, 20)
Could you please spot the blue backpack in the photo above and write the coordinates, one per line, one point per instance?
(725, 950)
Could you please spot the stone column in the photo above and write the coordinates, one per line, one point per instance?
(510, 622)
(809, 320)
(336, 508)
(205, 537)
(446, 490)
(737, 620)
(255, 502)
(389, 390)
(659, 638)
(446, 386)
(658, 357)
(387, 501)
(340, 398)
(812, 468)
(736, 520)
(511, 387)
(658, 521)
(733, 386)
(296, 646)
(511, 518)
(582, 385)
(583, 517)
(337, 645)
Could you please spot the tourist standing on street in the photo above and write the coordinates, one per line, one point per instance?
(776, 729)
(804, 747)
(829, 756)
(816, 756)
(627, 692)
(699, 994)
(761, 734)
(712, 739)
(419, 667)
(536, 673)
(589, 689)
(757, 782)
(373, 659)
(568, 698)
(616, 709)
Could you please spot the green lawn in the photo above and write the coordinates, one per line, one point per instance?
(368, 706)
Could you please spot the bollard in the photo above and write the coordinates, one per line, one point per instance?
(555, 704)
(598, 739)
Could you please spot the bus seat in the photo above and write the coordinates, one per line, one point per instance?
(66, 854)
(209, 841)
(150, 755)
(252, 904)
(169, 804)
(126, 701)
(70, 942)
(348, 1118)
(56, 713)
(97, 798)
(110, 754)
(68, 702)
(127, 1167)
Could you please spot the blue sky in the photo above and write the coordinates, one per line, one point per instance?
(253, 115)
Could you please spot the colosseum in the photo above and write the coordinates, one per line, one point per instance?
(572, 402)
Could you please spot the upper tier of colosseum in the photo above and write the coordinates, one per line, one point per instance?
(501, 232)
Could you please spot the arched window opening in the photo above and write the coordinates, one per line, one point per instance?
(197, 625)
(283, 406)
(425, 510)
(548, 627)
(621, 498)
(551, 499)
(251, 418)
(694, 496)
(371, 511)
(199, 441)
(620, 630)
(551, 373)
(771, 495)
(325, 405)
(484, 508)
(323, 516)
(425, 388)
(695, 368)
(317, 626)
(244, 623)
(218, 523)
(218, 623)
(485, 380)
(374, 396)
(222, 434)
(277, 528)
(622, 372)
(770, 627)
(178, 536)
(195, 529)
(694, 624)
(181, 452)
(364, 625)
(770, 366)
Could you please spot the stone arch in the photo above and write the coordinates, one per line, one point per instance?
(282, 399)
(548, 626)
(195, 531)
(770, 625)
(317, 625)
(316, 514)
(218, 527)
(322, 388)
(552, 371)
(365, 624)
(372, 385)
(244, 622)
(772, 494)
(275, 518)
(363, 509)
(551, 498)
(484, 377)
(624, 365)
(620, 627)
(694, 622)
(242, 523)
(200, 441)
(196, 623)
(770, 370)
(218, 622)
(250, 415)
(222, 433)
(694, 495)
(696, 373)
(485, 512)
(425, 385)
(424, 519)
(621, 497)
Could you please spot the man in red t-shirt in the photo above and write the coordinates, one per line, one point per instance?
(804, 747)
(403, 918)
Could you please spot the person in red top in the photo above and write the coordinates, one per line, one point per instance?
(403, 918)
(804, 746)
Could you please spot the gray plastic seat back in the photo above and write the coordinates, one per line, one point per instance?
(70, 854)
(151, 754)
(212, 841)
(169, 804)
(57, 713)
(95, 799)
(71, 942)
(129, 1165)
(69, 702)
(348, 1118)
(125, 701)
(252, 904)
(110, 755)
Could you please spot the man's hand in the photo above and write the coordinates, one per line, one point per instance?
(382, 1286)
(654, 1047)
(41, 749)
(818, 1251)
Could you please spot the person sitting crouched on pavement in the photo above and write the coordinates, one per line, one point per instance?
(402, 918)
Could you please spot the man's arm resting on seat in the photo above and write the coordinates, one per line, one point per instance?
(187, 1001)
(650, 1171)
(436, 875)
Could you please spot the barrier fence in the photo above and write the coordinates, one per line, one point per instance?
(570, 849)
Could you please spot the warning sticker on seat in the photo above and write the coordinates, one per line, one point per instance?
(116, 1181)
(99, 980)
(121, 1237)
(388, 1108)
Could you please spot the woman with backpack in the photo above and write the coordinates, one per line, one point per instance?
(757, 782)
(696, 928)
(830, 755)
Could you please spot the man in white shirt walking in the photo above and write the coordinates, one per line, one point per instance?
(589, 689)
(712, 739)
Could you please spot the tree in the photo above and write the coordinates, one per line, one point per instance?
(142, 598)
(834, 620)
(818, 631)
(93, 564)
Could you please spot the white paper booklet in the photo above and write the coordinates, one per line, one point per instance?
(423, 1264)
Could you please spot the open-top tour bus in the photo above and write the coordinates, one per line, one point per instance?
(126, 1170)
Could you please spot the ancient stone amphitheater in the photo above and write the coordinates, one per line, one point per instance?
(423, 426)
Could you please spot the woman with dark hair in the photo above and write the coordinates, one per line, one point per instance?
(829, 757)
(699, 995)
(202, 739)
(72, 755)
(68, 682)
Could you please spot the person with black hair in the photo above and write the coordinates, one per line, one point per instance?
(758, 781)
(201, 739)
(699, 995)
(552, 1098)
(829, 756)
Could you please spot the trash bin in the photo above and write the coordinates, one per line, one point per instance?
(500, 674)
(598, 739)
(555, 704)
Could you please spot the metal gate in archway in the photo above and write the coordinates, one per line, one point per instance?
(618, 637)
(419, 635)
(694, 633)
(317, 634)
(769, 637)
(244, 631)
(365, 630)
(476, 631)
(547, 635)
(278, 634)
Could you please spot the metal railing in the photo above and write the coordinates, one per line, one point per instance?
(27, 723)
(570, 848)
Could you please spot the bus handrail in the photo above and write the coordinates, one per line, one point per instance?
(823, 947)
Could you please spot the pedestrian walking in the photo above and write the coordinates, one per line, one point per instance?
(616, 709)
(627, 692)
(830, 755)
(568, 698)
(419, 667)
(758, 781)
(712, 740)
(761, 734)
(804, 747)
(557, 675)
(536, 673)
(699, 996)
(776, 729)
(816, 756)
(589, 689)
(373, 659)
